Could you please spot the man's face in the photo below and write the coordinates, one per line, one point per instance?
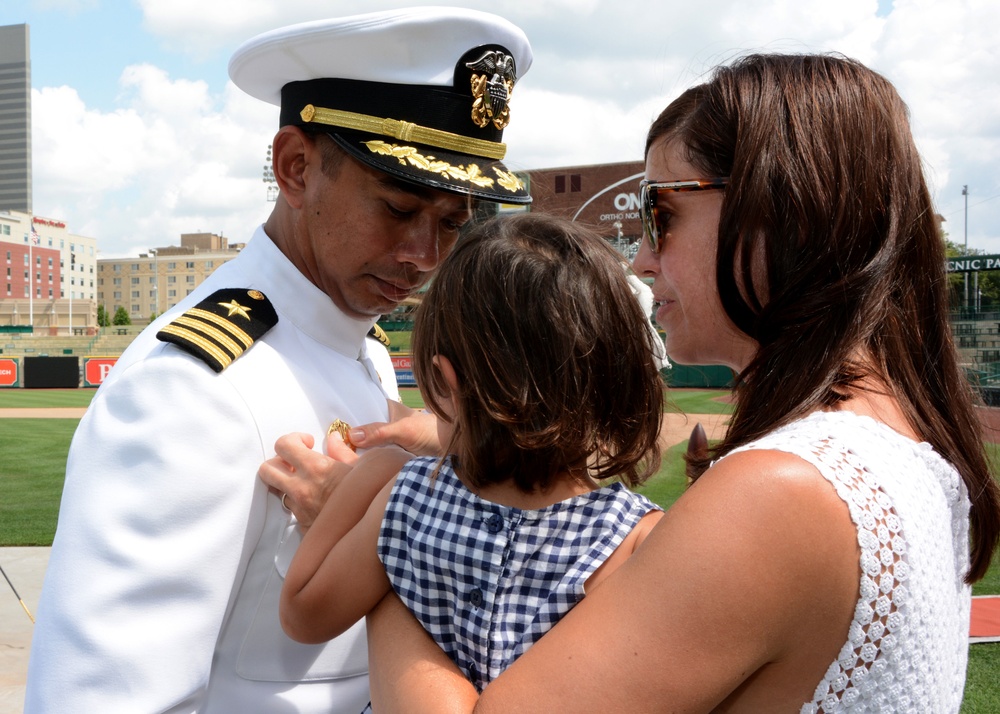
(369, 240)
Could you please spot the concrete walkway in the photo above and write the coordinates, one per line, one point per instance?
(25, 568)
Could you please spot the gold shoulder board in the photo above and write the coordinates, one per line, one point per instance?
(379, 334)
(222, 327)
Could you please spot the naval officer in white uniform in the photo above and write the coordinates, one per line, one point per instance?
(162, 588)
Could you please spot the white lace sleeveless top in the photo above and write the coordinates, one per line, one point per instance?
(907, 646)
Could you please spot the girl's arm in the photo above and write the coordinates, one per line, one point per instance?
(336, 576)
(749, 580)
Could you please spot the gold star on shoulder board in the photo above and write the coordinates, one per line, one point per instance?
(236, 309)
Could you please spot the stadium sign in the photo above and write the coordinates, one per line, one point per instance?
(95, 369)
(8, 372)
(973, 263)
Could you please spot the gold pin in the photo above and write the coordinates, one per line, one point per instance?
(342, 428)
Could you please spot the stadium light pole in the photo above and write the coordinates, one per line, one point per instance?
(965, 193)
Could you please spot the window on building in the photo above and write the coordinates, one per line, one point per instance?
(50, 262)
(190, 279)
(171, 293)
(118, 295)
(171, 279)
(118, 268)
(135, 281)
(575, 183)
(135, 309)
(189, 265)
(135, 267)
(135, 294)
(50, 292)
(152, 280)
(209, 264)
(116, 281)
(560, 184)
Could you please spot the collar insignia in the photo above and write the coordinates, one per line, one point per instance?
(493, 79)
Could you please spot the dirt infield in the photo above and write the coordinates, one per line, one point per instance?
(52, 413)
(676, 427)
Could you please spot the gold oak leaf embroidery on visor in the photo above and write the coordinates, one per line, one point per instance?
(508, 180)
(409, 154)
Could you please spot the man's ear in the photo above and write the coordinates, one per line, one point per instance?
(291, 150)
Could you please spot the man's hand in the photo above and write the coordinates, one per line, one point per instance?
(306, 478)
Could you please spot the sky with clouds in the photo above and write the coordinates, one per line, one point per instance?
(139, 136)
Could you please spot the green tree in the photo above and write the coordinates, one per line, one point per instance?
(121, 317)
(103, 319)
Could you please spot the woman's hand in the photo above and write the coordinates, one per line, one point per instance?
(305, 478)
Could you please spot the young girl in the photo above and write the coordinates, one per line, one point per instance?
(534, 354)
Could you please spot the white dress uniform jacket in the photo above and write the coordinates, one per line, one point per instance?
(161, 593)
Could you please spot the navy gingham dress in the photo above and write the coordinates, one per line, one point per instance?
(485, 580)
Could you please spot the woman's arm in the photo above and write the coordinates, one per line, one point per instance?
(408, 672)
(749, 580)
(336, 576)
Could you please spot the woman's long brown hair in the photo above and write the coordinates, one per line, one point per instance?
(829, 249)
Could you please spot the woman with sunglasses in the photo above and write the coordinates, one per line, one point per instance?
(822, 558)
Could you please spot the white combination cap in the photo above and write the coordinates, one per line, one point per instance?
(421, 93)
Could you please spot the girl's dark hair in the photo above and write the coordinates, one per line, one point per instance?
(830, 256)
(553, 355)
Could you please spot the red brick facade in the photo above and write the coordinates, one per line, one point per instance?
(598, 195)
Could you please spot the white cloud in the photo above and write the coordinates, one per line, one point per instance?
(179, 154)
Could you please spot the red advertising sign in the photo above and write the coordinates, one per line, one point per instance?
(8, 372)
(95, 369)
(402, 361)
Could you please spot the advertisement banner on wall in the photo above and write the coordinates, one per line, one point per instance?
(95, 369)
(10, 375)
(403, 366)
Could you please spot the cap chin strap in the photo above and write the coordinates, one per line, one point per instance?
(404, 131)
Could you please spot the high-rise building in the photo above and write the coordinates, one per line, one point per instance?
(15, 119)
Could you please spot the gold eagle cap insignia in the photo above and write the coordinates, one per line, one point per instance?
(493, 80)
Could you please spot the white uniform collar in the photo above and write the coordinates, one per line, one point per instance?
(300, 302)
